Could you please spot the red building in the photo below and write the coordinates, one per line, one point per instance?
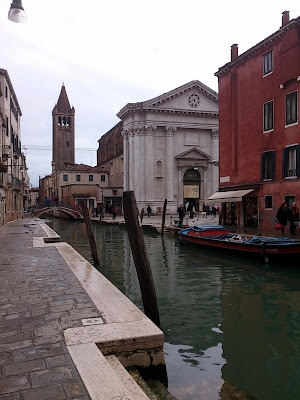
(259, 130)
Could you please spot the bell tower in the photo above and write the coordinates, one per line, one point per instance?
(63, 137)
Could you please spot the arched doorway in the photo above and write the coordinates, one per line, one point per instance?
(191, 188)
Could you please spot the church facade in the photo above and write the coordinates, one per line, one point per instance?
(171, 147)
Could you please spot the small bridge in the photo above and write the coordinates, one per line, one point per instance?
(69, 211)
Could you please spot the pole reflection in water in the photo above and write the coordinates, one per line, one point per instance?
(232, 325)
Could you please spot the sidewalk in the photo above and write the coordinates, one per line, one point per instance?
(39, 297)
(56, 313)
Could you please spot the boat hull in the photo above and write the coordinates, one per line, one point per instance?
(261, 246)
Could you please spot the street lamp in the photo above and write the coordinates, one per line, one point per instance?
(16, 12)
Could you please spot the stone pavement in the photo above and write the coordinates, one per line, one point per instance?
(39, 298)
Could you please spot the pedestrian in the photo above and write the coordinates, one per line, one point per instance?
(56, 201)
(114, 212)
(149, 211)
(293, 218)
(214, 211)
(142, 215)
(282, 216)
(181, 213)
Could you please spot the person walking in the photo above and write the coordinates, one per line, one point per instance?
(181, 213)
(293, 218)
(114, 212)
(282, 216)
(149, 211)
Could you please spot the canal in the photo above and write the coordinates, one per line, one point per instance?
(231, 325)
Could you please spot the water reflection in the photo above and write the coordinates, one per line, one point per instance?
(232, 326)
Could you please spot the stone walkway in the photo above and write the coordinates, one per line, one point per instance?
(39, 298)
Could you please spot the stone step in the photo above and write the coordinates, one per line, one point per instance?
(138, 390)
(104, 377)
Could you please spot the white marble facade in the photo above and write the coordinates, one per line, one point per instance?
(170, 143)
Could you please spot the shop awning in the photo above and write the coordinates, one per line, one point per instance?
(230, 196)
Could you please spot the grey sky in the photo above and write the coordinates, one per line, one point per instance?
(118, 52)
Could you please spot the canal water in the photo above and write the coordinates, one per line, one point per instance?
(231, 325)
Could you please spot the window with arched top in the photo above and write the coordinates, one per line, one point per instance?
(64, 121)
(69, 121)
(158, 169)
(59, 121)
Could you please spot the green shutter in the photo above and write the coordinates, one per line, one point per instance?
(273, 164)
(285, 161)
(263, 160)
(298, 160)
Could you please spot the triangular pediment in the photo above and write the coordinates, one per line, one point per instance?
(193, 154)
(193, 97)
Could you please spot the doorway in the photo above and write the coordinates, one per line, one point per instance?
(191, 189)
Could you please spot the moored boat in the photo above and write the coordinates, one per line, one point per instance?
(217, 237)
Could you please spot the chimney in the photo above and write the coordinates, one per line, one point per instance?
(285, 18)
(234, 52)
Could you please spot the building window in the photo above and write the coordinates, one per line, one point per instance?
(268, 165)
(102, 178)
(291, 161)
(268, 116)
(6, 91)
(291, 108)
(268, 62)
(268, 201)
(158, 169)
(91, 178)
(115, 192)
(65, 178)
(78, 178)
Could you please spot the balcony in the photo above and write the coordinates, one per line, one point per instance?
(6, 152)
(14, 182)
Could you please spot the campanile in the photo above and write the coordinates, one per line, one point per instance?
(63, 137)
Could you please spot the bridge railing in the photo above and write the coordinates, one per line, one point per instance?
(51, 203)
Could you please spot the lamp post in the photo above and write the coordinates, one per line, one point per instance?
(16, 12)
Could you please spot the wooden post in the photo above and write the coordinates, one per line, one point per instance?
(140, 256)
(91, 237)
(164, 217)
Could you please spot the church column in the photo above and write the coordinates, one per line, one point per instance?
(169, 167)
(131, 164)
(149, 172)
(137, 164)
(180, 186)
(125, 161)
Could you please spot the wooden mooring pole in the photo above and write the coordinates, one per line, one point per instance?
(140, 256)
(91, 237)
(164, 217)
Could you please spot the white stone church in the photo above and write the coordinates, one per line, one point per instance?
(171, 147)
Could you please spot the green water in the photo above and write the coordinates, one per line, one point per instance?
(232, 325)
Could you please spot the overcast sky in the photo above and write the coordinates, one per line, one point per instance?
(118, 52)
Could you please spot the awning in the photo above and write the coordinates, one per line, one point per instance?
(230, 196)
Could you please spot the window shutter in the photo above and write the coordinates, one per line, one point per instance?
(285, 161)
(298, 160)
(263, 160)
(273, 164)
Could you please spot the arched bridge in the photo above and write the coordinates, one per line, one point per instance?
(69, 211)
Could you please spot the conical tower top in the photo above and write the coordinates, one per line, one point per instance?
(63, 105)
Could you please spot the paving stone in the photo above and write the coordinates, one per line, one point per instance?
(17, 337)
(50, 328)
(34, 352)
(74, 389)
(14, 384)
(51, 376)
(5, 358)
(53, 392)
(23, 367)
(15, 345)
(11, 396)
(57, 361)
(48, 339)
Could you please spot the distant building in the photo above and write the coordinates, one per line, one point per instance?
(259, 128)
(13, 174)
(169, 151)
(79, 182)
(110, 158)
(71, 183)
